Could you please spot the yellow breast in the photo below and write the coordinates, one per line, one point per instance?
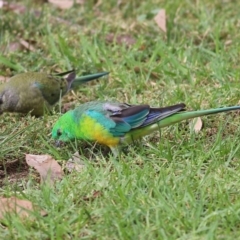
(91, 130)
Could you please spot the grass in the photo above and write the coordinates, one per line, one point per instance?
(177, 185)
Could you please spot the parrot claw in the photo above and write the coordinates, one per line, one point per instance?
(58, 143)
(115, 151)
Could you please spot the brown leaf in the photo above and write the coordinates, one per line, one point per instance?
(228, 42)
(160, 19)
(13, 205)
(14, 46)
(154, 75)
(96, 194)
(81, 2)
(196, 124)
(3, 79)
(27, 45)
(19, 45)
(122, 39)
(2, 3)
(67, 106)
(75, 163)
(137, 69)
(47, 167)
(62, 4)
(15, 7)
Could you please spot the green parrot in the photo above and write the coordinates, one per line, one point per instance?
(113, 123)
(37, 91)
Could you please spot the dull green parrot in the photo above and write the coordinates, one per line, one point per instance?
(37, 91)
(114, 124)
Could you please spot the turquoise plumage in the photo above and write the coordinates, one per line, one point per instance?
(113, 123)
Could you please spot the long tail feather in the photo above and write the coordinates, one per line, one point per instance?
(175, 118)
(83, 79)
(156, 114)
(65, 73)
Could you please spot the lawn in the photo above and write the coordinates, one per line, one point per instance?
(176, 184)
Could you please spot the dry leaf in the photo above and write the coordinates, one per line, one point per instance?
(14, 46)
(196, 124)
(67, 106)
(96, 194)
(47, 167)
(160, 19)
(13, 205)
(27, 45)
(62, 4)
(15, 7)
(75, 163)
(81, 2)
(228, 42)
(3, 79)
(122, 39)
(20, 45)
(154, 75)
(2, 3)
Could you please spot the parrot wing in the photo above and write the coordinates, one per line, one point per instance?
(138, 116)
(117, 127)
(119, 118)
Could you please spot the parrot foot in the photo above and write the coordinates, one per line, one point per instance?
(116, 151)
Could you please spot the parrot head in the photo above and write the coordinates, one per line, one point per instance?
(63, 130)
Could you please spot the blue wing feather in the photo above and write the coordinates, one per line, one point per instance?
(156, 114)
(121, 127)
(118, 118)
(137, 119)
(114, 125)
(133, 115)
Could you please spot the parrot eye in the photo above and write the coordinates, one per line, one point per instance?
(59, 132)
